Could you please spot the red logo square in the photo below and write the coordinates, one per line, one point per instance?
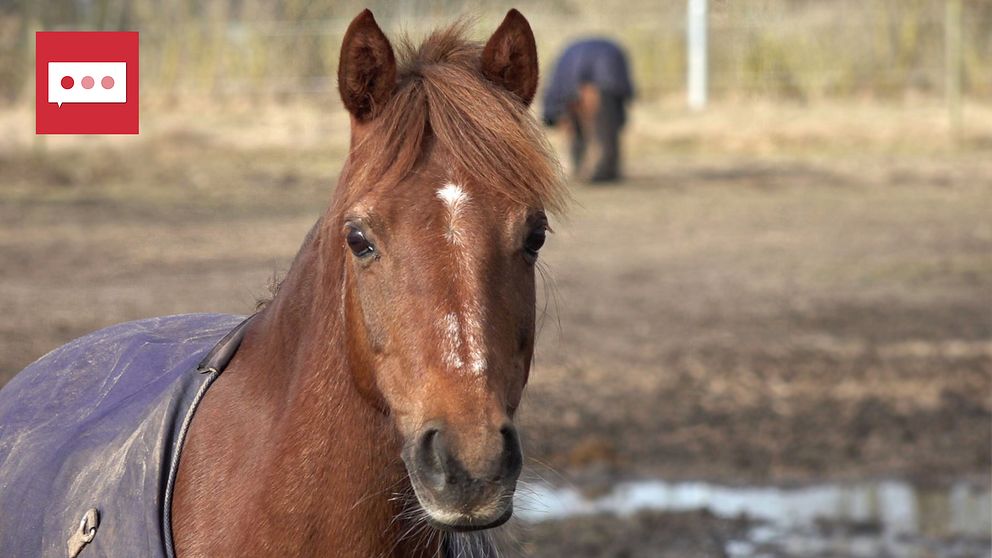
(86, 83)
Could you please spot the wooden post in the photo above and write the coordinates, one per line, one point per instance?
(953, 65)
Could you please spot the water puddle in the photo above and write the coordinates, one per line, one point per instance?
(869, 519)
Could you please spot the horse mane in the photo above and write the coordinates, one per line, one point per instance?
(442, 100)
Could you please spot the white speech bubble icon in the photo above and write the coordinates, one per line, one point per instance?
(87, 82)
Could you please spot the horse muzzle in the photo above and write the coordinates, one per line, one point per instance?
(459, 494)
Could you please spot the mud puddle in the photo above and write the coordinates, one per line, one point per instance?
(864, 519)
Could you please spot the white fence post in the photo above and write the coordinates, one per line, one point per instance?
(696, 47)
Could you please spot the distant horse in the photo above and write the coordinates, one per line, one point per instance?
(367, 409)
(588, 96)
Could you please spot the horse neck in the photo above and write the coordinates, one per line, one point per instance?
(342, 451)
(303, 323)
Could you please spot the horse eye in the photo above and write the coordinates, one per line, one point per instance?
(535, 240)
(359, 245)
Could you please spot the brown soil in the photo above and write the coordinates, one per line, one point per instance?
(756, 318)
(645, 535)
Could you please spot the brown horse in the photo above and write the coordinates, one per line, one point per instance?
(369, 410)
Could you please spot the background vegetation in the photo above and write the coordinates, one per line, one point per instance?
(255, 49)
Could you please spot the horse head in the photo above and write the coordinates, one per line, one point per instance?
(440, 217)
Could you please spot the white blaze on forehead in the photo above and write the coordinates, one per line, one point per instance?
(464, 327)
(451, 341)
(473, 333)
(453, 196)
(455, 199)
(463, 331)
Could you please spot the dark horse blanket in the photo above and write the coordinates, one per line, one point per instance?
(98, 425)
(600, 62)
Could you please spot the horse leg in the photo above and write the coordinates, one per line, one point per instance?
(609, 121)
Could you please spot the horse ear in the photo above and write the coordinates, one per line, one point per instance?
(367, 69)
(510, 57)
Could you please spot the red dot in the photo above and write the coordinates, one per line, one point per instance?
(107, 82)
(87, 82)
(67, 82)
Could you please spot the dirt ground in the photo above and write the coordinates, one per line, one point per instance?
(784, 305)
(645, 535)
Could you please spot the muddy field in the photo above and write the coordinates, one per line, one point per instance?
(781, 307)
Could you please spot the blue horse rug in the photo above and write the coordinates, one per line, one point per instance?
(90, 436)
(600, 62)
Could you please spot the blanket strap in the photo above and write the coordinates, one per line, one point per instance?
(84, 534)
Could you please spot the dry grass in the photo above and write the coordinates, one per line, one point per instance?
(915, 126)
(264, 49)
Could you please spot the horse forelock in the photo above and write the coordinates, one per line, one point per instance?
(443, 104)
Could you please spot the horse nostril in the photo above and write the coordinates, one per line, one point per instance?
(508, 431)
(512, 458)
(427, 439)
(511, 442)
(432, 454)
